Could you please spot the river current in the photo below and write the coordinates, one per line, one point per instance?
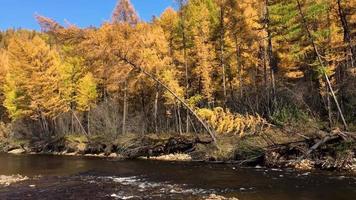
(61, 177)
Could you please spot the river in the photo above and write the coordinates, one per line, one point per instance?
(61, 177)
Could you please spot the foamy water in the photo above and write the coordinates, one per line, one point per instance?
(134, 187)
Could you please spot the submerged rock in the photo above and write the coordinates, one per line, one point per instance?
(17, 151)
(8, 180)
(173, 157)
(71, 154)
(113, 155)
(218, 197)
(304, 164)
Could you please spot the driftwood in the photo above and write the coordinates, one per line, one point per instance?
(336, 134)
(172, 145)
(317, 145)
(317, 149)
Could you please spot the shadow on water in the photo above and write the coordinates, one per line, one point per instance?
(95, 178)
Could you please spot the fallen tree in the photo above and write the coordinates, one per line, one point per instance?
(151, 147)
(334, 150)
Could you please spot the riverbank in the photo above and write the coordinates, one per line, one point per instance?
(286, 150)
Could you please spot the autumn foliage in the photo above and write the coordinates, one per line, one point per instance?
(238, 64)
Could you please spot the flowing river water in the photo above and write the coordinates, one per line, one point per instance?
(60, 177)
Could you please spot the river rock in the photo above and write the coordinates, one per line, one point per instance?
(8, 180)
(353, 166)
(173, 157)
(218, 197)
(304, 164)
(71, 154)
(113, 155)
(81, 147)
(17, 151)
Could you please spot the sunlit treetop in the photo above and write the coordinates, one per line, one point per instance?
(47, 24)
(124, 12)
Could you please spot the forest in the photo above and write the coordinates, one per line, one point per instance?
(245, 74)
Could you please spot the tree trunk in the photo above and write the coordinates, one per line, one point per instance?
(156, 109)
(167, 121)
(176, 118)
(143, 107)
(72, 123)
(179, 119)
(44, 124)
(266, 82)
(329, 107)
(239, 65)
(124, 114)
(265, 74)
(222, 48)
(271, 60)
(88, 115)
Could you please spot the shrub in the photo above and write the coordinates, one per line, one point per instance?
(288, 114)
(225, 122)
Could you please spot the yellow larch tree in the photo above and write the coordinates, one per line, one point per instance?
(203, 55)
(86, 96)
(4, 61)
(32, 82)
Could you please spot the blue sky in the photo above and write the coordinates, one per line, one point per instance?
(83, 13)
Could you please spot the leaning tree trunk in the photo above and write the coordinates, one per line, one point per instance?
(201, 121)
(304, 21)
(79, 122)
